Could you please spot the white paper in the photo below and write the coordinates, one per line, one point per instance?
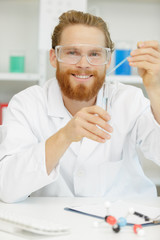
(50, 10)
(120, 209)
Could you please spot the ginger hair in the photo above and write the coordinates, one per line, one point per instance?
(73, 17)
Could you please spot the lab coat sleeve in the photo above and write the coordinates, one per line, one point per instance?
(147, 133)
(22, 157)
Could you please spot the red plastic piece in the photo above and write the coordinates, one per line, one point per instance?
(111, 220)
(2, 106)
(136, 227)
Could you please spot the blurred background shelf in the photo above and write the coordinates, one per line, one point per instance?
(35, 77)
(126, 79)
(19, 77)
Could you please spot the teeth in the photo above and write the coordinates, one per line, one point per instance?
(82, 76)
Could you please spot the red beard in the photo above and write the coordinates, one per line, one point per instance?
(80, 92)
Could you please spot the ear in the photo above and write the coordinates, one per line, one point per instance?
(52, 57)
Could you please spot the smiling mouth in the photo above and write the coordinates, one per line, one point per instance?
(83, 77)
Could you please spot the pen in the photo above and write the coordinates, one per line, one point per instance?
(146, 218)
(155, 220)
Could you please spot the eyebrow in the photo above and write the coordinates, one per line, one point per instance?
(71, 47)
(93, 48)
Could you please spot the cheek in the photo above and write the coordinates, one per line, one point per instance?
(101, 71)
(62, 67)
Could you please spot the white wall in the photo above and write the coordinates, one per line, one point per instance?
(137, 20)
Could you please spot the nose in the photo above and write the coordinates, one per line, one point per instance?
(83, 62)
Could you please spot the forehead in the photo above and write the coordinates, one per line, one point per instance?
(81, 34)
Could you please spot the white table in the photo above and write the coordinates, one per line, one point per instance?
(81, 225)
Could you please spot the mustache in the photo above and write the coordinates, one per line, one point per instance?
(81, 72)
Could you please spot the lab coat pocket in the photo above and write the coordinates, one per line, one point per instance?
(109, 172)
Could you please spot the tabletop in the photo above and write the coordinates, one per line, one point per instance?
(81, 226)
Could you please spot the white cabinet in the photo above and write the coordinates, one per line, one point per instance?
(19, 31)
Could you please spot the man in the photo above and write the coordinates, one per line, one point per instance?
(58, 140)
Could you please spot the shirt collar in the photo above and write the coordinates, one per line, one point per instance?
(55, 104)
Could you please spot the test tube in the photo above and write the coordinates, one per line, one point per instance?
(105, 94)
(108, 84)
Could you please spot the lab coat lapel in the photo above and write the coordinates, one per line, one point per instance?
(57, 110)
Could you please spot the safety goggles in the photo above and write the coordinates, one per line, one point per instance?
(72, 54)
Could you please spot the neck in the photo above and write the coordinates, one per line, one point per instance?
(73, 106)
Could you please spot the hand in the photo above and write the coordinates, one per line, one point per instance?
(86, 123)
(147, 59)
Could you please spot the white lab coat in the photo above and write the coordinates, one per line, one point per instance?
(87, 168)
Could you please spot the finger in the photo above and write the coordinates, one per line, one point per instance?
(93, 137)
(143, 64)
(144, 51)
(92, 128)
(146, 57)
(97, 110)
(146, 44)
(84, 130)
(96, 120)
